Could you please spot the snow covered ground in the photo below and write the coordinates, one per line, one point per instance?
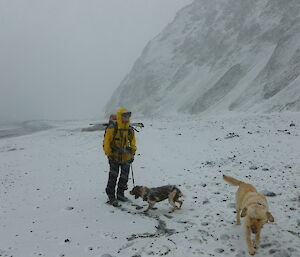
(52, 200)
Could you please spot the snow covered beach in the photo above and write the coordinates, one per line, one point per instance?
(52, 199)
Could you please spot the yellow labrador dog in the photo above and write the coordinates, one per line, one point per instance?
(255, 209)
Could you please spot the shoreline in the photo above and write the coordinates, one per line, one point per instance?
(22, 128)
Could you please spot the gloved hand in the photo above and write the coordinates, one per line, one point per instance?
(122, 150)
(131, 160)
(129, 149)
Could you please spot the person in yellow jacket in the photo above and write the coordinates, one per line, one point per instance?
(119, 146)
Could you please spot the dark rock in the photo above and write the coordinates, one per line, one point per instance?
(231, 135)
(268, 193)
(205, 201)
(266, 245)
(290, 249)
(219, 250)
(271, 251)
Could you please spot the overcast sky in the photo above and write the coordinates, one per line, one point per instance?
(62, 59)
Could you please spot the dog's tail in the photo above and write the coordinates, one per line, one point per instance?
(232, 180)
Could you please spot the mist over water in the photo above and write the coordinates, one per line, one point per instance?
(63, 59)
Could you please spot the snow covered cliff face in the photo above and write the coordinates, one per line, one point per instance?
(219, 55)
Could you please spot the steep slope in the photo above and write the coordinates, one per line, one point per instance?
(219, 55)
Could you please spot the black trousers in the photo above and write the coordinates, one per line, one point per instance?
(114, 170)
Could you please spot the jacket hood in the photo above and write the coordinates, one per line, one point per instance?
(121, 125)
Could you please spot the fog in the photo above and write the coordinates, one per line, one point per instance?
(62, 59)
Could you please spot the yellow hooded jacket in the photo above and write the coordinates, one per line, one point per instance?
(123, 139)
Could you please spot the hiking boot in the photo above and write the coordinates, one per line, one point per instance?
(122, 198)
(113, 202)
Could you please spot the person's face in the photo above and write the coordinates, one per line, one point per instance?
(125, 119)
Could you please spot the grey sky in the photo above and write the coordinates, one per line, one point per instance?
(62, 59)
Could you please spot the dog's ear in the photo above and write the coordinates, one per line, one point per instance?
(270, 217)
(244, 212)
(136, 192)
(131, 191)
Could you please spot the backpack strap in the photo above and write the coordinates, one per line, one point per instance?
(115, 128)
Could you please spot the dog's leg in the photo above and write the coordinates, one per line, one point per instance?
(176, 198)
(150, 206)
(257, 238)
(237, 209)
(249, 242)
(180, 203)
(238, 216)
(171, 200)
